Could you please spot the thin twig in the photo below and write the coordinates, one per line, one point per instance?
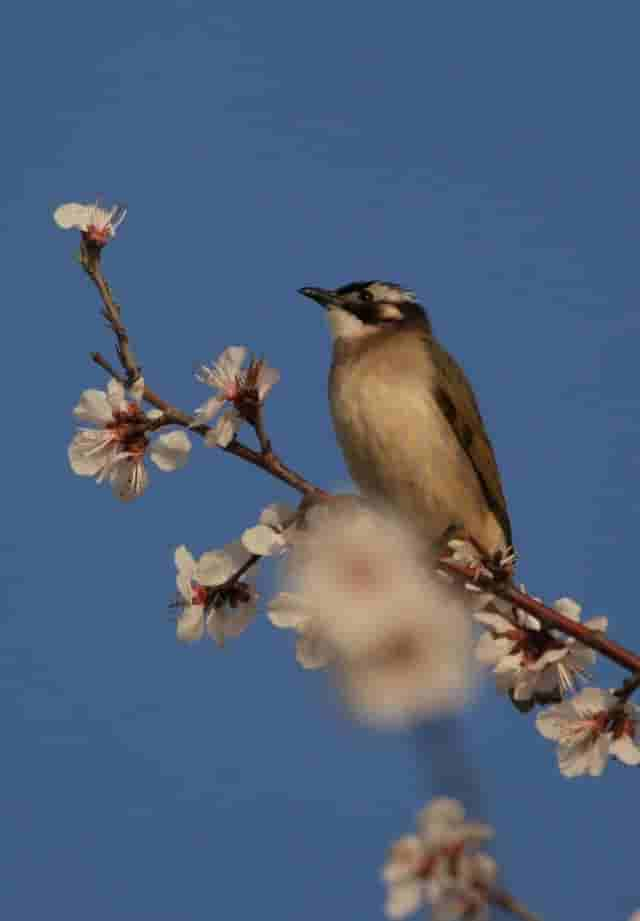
(507, 902)
(548, 616)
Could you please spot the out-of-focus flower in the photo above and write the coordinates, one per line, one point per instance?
(207, 602)
(439, 866)
(273, 533)
(529, 661)
(115, 449)
(244, 388)
(399, 639)
(288, 612)
(588, 728)
(95, 223)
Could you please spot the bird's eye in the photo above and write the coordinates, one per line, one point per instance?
(366, 295)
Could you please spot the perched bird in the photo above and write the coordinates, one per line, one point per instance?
(406, 417)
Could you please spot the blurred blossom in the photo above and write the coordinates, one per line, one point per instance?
(115, 449)
(588, 728)
(532, 662)
(288, 612)
(206, 602)
(95, 223)
(273, 533)
(439, 867)
(397, 637)
(244, 388)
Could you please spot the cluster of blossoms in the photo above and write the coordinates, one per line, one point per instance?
(440, 867)
(244, 388)
(532, 663)
(588, 728)
(97, 225)
(116, 447)
(362, 601)
(213, 595)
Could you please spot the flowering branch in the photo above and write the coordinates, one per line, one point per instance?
(548, 616)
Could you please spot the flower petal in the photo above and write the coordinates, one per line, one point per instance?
(93, 406)
(73, 215)
(569, 608)
(207, 410)
(115, 394)
(262, 540)
(190, 625)
(129, 479)
(625, 750)
(214, 568)
(170, 451)
(267, 378)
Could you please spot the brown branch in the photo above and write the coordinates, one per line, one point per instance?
(507, 902)
(90, 254)
(548, 616)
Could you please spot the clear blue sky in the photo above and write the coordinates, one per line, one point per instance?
(484, 154)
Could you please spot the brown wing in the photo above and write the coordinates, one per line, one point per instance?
(458, 404)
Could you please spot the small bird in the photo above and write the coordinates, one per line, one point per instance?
(407, 419)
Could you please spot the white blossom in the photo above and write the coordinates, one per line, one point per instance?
(221, 614)
(440, 867)
(399, 640)
(588, 728)
(273, 533)
(115, 448)
(232, 383)
(95, 223)
(530, 661)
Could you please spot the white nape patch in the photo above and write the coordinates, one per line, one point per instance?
(345, 325)
(391, 294)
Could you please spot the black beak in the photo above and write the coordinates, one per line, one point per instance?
(322, 296)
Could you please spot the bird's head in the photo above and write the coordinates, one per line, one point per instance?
(364, 308)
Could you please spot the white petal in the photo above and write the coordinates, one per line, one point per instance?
(286, 611)
(442, 811)
(73, 215)
(569, 608)
(403, 899)
(551, 722)
(190, 625)
(137, 390)
(117, 216)
(225, 429)
(154, 413)
(599, 624)
(115, 394)
(277, 515)
(262, 540)
(208, 410)
(593, 700)
(90, 452)
(170, 451)
(215, 626)
(93, 406)
(129, 479)
(186, 567)
(214, 568)
(625, 750)
(267, 378)
(231, 360)
(236, 622)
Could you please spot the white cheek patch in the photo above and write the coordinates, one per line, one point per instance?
(389, 312)
(345, 325)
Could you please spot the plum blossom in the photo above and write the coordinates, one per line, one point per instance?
(588, 728)
(207, 602)
(439, 866)
(273, 533)
(115, 449)
(244, 388)
(95, 223)
(530, 662)
(398, 639)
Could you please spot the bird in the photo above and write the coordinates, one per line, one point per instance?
(407, 420)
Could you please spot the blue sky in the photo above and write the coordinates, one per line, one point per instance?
(485, 155)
